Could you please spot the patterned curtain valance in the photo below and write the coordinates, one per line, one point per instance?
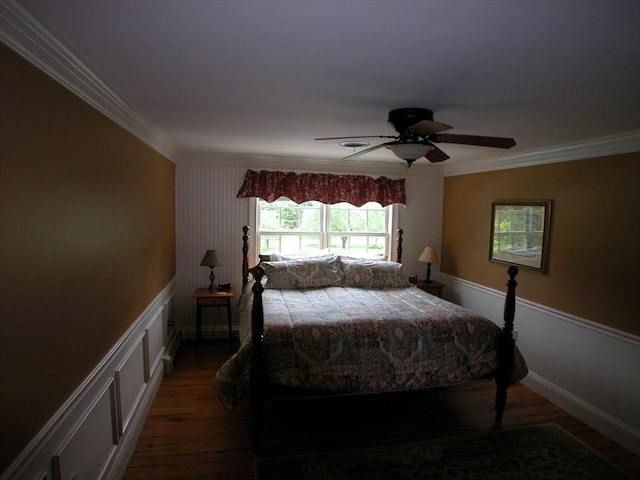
(322, 187)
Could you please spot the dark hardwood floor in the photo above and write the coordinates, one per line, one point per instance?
(188, 435)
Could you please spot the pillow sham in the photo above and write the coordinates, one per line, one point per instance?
(372, 274)
(309, 273)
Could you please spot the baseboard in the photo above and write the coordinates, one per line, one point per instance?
(597, 419)
(587, 369)
(95, 431)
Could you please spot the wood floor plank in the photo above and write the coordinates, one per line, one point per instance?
(189, 435)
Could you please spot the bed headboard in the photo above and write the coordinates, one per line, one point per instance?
(245, 252)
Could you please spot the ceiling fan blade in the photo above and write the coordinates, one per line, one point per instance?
(481, 141)
(424, 128)
(366, 150)
(436, 155)
(355, 136)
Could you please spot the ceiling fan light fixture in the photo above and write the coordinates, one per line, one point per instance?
(410, 151)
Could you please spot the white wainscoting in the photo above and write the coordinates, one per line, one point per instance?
(587, 369)
(93, 435)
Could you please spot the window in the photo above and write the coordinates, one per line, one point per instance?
(287, 227)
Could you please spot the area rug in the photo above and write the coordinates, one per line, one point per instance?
(544, 452)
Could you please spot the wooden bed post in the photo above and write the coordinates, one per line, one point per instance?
(258, 375)
(245, 255)
(506, 347)
(399, 246)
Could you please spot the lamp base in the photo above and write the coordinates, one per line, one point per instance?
(428, 279)
(212, 277)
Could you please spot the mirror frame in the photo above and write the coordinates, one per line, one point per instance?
(532, 250)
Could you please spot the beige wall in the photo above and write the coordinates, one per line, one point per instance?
(87, 242)
(594, 255)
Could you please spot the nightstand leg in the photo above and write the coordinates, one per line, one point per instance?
(229, 323)
(198, 325)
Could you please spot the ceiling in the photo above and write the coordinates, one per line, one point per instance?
(264, 78)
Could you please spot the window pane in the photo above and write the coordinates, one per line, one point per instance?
(376, 245)
(357, 220)
(338, 220)
(269, 218)
(358, 245)
(289, 218)
(375, 221)
(339, 243)
(310, 220)
(290, 243)
(269, 243)
(310, 243)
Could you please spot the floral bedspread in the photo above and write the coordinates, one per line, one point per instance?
(344, 339)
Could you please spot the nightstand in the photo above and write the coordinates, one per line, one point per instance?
(206, 298)
(434, 288)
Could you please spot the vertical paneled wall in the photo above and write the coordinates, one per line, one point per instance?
(421, 221)
(209, 216)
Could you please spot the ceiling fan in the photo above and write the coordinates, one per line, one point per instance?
(417, 133)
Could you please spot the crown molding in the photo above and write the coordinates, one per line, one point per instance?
(22, 32)
(268, 162)
(596, 147)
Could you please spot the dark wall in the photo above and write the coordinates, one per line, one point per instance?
(87, 243)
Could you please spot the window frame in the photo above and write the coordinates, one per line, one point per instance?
(390, 221)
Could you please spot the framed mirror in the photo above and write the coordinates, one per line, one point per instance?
(520, 233)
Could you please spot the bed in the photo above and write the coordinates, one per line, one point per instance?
(331, 324)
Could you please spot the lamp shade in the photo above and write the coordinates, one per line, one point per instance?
(210, 259)
(429, 255)
(410, 150)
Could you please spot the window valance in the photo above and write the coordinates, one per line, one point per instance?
(322, 187)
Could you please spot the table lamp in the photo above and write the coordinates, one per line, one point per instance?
(210, 260)
(429, 255)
